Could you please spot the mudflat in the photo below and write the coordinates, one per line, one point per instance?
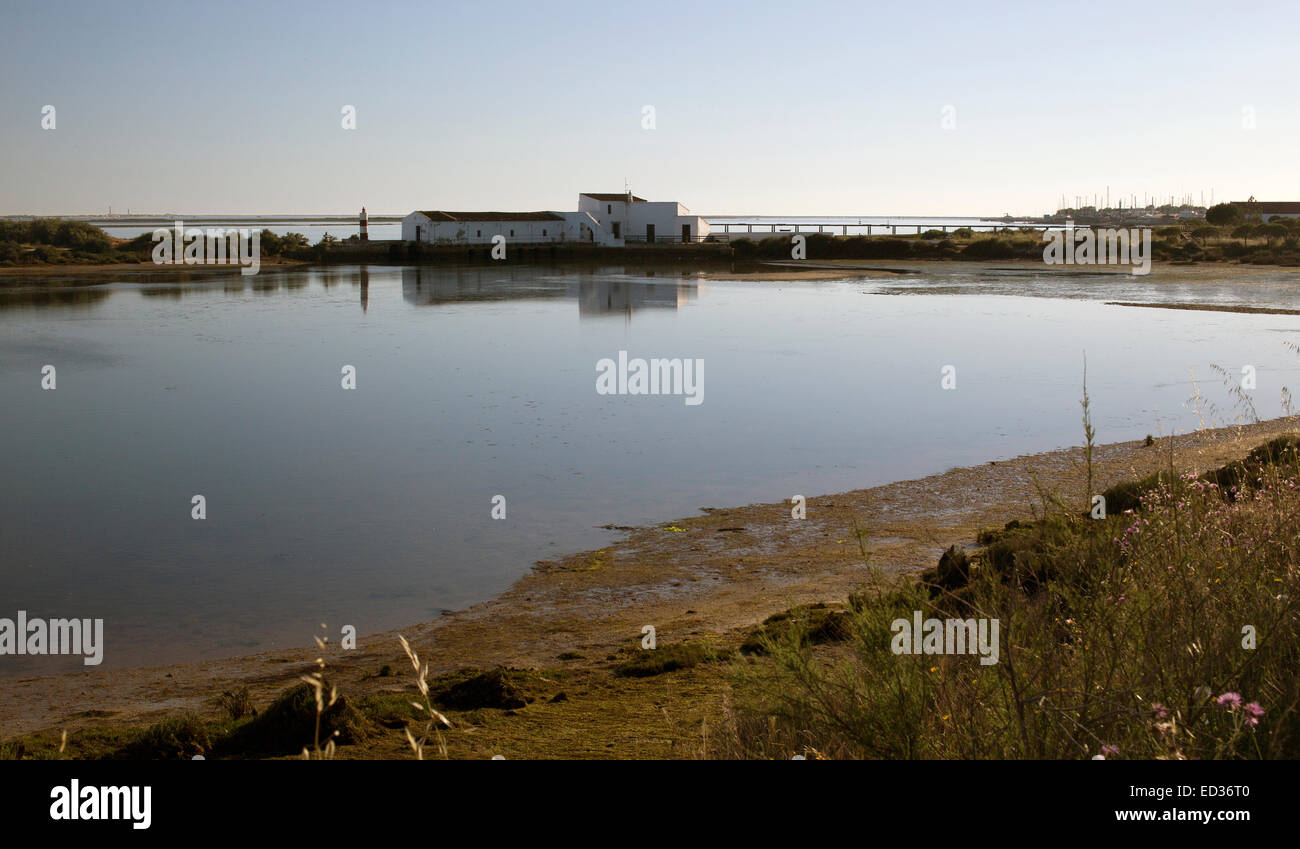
(710, 576)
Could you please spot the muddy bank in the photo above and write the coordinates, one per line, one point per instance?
(712, 575)
(1208, 308)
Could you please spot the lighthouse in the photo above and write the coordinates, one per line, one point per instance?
(365, 226)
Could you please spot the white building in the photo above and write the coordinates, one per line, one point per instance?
(601, 219)
(636, 219)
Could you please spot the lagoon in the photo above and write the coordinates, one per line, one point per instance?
(373, 506)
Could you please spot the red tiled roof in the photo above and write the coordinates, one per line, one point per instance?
(439, 215)
(612, 196)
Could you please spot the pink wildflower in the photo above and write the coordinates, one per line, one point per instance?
(1232, 701)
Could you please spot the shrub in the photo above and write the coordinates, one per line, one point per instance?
(810, 624)
(1120, 637)
(174, 738)
(289, 724)
(495, 688)
(237, 703)
(744, 248)
(991, 248)
(271, 244)
(1223, 214)
(647, 662)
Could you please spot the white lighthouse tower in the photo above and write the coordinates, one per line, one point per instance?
(365, 226)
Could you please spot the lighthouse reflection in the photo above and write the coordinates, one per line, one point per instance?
(602, 292)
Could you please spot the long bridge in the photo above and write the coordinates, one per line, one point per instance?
(732, 226)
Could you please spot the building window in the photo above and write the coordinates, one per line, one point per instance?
(543, 231)
(609, 209)
(512, 234)
(478, 233)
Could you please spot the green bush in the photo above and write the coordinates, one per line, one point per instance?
(991, 248)
(1120, 638)
(744, 248)
(1222, 214)
(174, 738)
(657, 661)
(289, 724)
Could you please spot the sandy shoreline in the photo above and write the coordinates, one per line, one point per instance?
(718, 575)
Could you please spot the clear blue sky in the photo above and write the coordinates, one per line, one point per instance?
(778, 108)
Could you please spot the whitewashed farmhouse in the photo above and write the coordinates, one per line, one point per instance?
(602, 219)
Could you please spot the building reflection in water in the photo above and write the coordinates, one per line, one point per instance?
(599, 293)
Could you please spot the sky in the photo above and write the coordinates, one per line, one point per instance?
(775, 108)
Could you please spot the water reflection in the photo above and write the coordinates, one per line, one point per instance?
(599, 292)
(17, 299)
(602, 291)
(424, 286)
(623, 297)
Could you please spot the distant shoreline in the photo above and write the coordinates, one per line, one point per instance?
(719, 269)
(1208, 308)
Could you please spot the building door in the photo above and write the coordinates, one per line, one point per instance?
(618, 229)
(650, 233)
(686, 232)
(417, 232)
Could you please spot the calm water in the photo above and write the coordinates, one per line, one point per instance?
(371, 506)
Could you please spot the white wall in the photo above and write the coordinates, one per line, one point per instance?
(668, 217)
(584, 227)
(482, 232)
(606, 212)
(592, 223)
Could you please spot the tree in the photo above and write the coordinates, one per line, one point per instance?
(1243, 232)
(1202, 234)
(271, 244)
(1223, 213)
